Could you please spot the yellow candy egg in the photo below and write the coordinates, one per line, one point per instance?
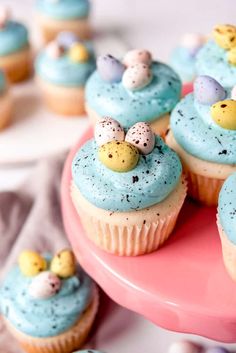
(119, 156)
(63, 264)
(232, 56)
(31, 263)
(224, 114)
(78, 53)
(225, 36)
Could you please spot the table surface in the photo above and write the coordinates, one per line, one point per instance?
(156, 25)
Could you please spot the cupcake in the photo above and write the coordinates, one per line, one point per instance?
(5, 102)
(63, 15)
(127, 188)
(226, 221)
(217, 58)
(48, 303)
(15, 53)
(62, 69)
(203, 133)
(136, 89)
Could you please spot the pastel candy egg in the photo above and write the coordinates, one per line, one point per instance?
(4, 16)
(54, 50)
(110, 69)
(184, 347)
(31, 263)
(216, 350)
(44, 285)
(137, 76)
(141, 136)
(63, 264)
(207, 90)
(224, 114)
(108, 129)
(225, 36)
(193, 42)
(137, 56)
(233, 93)
(231, 56)
(118, 156)
(78, 53)
(66, 39)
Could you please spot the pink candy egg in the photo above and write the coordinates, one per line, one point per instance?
(141, 136)
(137, 76)
(108, 129)
(4, 15)
(184, 347)
(54, 50)
(137, 56)
(45, 285)
(233, 93)
(193, 42)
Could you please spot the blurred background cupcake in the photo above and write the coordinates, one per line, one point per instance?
(5, 102)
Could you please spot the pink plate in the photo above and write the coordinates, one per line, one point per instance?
(182, 287)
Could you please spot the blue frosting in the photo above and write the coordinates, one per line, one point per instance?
(183, 63)
(227, 208)
(130, 107)
(63, 71)
(64, 9)
(13, 37)
(199, 135)
(212, 61)
(46, 317)
(151, 181)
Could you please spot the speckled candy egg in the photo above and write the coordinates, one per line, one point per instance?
(207, 90)
(137, 56)
(231, 56)
(118, 156)
(63, 264)
(66, 39)
(137, 77)
(184, 347)
(108, 129)
(216, 350)
(44, 285)
(141, 136)
(78, 53)
(31, 263)
(225, 36)
(224, 114)
(54, 50)
(110, 69)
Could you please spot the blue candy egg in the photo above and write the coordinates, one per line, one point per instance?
(66, 39)
(207, 90)
(110, 69)
(217, 350)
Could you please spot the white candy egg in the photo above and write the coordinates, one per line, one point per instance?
(233, 93)
(54, 50)
(193, 41)
(137, 76)
(184, 347)
(108, 129)
(4, 15)
(141, 136)
(137, 56)
(44, 285)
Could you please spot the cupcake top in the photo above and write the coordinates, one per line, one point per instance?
(183, 57)
(67, 61)
(125, 172)
(204, 123)
(217, 58)
(43, 296)
(227, 208)
(64, 9)
(13, 35)
(136, 89)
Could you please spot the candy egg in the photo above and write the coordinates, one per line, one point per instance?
(137, 76)
(78, 53)
(4, 16)
(66, 39)
(31, 263)
(141, 136)
(54, 50)
(216, 350)
(207, 90)
(108, 129)
(224, 114)
(44, 285)
(231, 56)
(233, 93)
(110, 69)
(184, 347)
(225, 36)
(193, 42)
(63, 264)
(118, 156)
(137, 56)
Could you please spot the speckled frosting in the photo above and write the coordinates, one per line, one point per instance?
(63, 71)
(64, 9)
(48, 317)
(13, 37)
(183, 63)
(227, 208)
(150, 182)
(199, 135)
(212, 61)
(129, 107)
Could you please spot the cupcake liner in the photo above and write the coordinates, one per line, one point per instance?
(66, 342)
(228, 251)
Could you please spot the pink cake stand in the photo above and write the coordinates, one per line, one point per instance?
(182, 287)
